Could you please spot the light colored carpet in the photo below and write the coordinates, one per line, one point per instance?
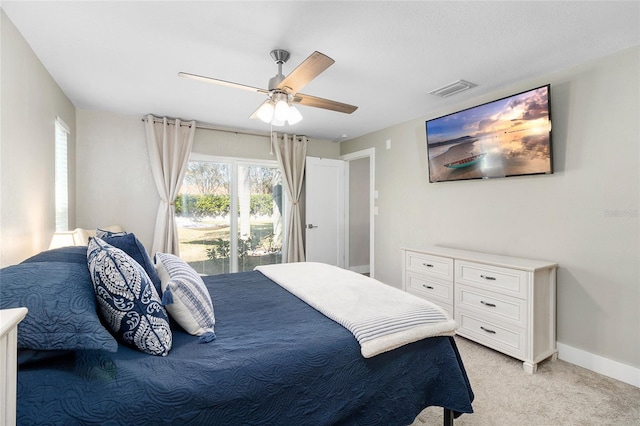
(558, 394)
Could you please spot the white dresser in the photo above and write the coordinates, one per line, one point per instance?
(9, 320)
(505, 303)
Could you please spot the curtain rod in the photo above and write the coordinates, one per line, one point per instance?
(172, 121)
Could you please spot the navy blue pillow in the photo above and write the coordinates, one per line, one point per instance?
(128, 301)
(72, 254)
(62, 306)
(129, 244)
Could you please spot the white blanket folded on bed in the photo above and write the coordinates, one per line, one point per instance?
(380, 317)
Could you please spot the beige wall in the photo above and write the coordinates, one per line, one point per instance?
(585, 216)
(30, 102)
(115, 184)
(239, 145)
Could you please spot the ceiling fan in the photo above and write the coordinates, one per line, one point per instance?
(277, 109)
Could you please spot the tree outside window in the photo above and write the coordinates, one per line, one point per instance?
(221, 199)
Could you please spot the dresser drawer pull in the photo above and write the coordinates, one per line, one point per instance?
(428, 265)
(488, 330)
(487, 277)
(428, 287)
(491, 305)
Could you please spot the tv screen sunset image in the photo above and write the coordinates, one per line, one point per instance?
(507, 137)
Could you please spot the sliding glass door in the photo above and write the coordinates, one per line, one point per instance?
(230, 215)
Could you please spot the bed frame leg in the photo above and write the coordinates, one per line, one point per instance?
(447, 419)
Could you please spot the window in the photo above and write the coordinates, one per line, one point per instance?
(222, 198)
(61, 177)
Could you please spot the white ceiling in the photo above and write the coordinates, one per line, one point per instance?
(125, 56)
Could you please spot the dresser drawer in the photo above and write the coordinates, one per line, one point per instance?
(434, 266)
(429, 288)
(494, 278)
(492, 305)
(494, 334)
(447, 307)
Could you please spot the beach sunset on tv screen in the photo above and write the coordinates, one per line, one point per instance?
(507, 137)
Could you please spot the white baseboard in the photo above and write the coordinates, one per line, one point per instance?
(361, 269)
(599, 364)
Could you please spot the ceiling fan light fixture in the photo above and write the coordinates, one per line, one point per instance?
(281, 112)
(277, 111)
(277, 123)
(265, 112)
(294, 116)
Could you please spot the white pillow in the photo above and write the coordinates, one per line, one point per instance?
(186, 297)
(81, 236)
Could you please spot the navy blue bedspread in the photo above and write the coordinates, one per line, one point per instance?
(276, 361)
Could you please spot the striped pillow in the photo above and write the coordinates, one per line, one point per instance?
(186, 297)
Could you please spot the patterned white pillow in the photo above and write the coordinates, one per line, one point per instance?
(102, 233)
(127, 299)
(186, 297)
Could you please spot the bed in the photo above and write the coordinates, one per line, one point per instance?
(275, 360)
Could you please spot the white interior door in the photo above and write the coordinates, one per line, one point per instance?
(325, 211)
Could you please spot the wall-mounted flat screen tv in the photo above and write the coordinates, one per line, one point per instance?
(507, 137)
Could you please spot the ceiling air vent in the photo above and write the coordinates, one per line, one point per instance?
(453, 88)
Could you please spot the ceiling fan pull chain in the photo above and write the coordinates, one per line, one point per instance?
(271, 140)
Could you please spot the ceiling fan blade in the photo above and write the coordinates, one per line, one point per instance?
(316, 102)
(309, 69)
(222, 82)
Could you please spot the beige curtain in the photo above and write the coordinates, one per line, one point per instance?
(291, 152)
(169, 144)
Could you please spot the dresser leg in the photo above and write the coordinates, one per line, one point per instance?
(529, 367)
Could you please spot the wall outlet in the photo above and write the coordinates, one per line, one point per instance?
(388, 143)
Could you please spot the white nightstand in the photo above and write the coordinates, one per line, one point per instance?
(9, 320)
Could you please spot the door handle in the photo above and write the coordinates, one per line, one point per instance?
(311, 226)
